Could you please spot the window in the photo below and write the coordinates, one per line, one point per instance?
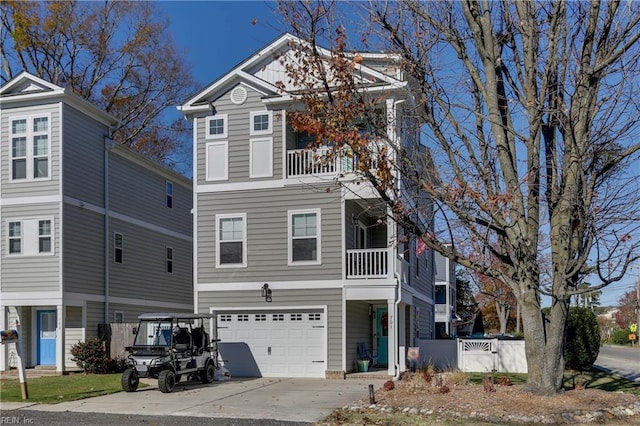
(441, 294)
(216, 161)
(118, 247)
(169, 194)
(30, 149)
(231, 240)
(15, 237)
(261, 123)
(261, 158)
(44, 236)
(169, 259)
(30, 237)
(216, 127)
(118, 317)
(304, 237)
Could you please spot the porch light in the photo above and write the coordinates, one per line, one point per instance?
(266, 292)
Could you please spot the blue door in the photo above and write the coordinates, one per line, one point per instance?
(47, 337)
(382, 329)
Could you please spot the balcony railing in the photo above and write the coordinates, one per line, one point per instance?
(367, 263)
(323, 161)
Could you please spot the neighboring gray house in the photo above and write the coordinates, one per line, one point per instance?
(90, 232)
(445, 297)
(299, 269)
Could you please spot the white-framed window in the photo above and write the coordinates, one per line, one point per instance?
(168, 189)
(31, 148)
(304, 237)
(118, 317)
(261, 158)
(231, 240)
(30, 237)
(261, 123)
(169, 260)
(118, 247)
(216, 126)
(217, 154)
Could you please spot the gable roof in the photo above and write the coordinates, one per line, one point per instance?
(265, 72)
(27, 87)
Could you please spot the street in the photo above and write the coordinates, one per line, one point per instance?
(624, 361)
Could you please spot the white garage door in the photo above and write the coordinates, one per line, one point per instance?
(273, 344)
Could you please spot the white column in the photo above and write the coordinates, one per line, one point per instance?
(392, 350)
(4, 359)
(60, 338)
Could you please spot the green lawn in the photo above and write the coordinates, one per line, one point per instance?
(55, 389)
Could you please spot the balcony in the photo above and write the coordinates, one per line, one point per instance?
(367, 263)
(323, 161)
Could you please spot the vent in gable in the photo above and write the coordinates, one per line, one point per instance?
(238, 95)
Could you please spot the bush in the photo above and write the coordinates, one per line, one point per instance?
(620, 337)
(583, 339)
(91, 356)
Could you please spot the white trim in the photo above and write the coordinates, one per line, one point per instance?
(17, 201)
(268, 160)
(259, 308)
(252, 115)
(194, 222)
(278, 285)
(318, 261)
(121, 248)
(239, 186)
(225, 127)
(114, 316)
(225, 174)
(29, 234)
(242, 216)
(29, 137)
(30, 298)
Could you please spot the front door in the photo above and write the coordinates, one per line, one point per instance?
(47, 337)
(382, 330)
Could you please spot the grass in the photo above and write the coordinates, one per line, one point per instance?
(55, 389)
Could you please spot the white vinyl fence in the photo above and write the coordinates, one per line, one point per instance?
(475, 355)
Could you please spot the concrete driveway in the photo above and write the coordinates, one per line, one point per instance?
(284, 399)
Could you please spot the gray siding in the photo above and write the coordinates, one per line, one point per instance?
(143, 271)
(30, 273)
(267, 236)
(359, 330)
(131, 312)
(83, 156)
(30, 188)
(425, 320)
(287, 298)
(138, 192)
(73, 332)
(84, 251)
(238, 117)
(95, 316)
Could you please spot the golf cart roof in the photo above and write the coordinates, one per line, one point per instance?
(173, 315)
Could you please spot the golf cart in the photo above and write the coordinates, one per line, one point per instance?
(169, 346)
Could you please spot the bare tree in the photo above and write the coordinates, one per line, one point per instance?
(115, 54)
(529, 110)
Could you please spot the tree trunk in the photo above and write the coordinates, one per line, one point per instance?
(544, 344)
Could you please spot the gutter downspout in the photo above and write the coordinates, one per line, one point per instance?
(108, 145)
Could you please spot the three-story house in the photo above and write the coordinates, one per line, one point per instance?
(90, 232)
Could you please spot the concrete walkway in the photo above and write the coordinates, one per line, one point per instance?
(284, 399)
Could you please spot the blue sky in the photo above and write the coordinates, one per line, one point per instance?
(218, 35)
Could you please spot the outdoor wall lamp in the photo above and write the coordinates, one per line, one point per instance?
(266, 292)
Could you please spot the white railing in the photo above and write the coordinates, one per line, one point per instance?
(441, 308)
(367, 263)
(323, 161)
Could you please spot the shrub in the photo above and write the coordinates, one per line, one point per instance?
(91, 356)
(620, 337)
(583, 339)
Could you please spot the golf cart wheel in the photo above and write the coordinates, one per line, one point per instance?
(166, 381)
(130, 380)
(206, 376)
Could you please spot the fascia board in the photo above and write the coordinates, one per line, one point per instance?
(25, 76)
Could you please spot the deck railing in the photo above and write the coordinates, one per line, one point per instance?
(322, 161)
(367, 263)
